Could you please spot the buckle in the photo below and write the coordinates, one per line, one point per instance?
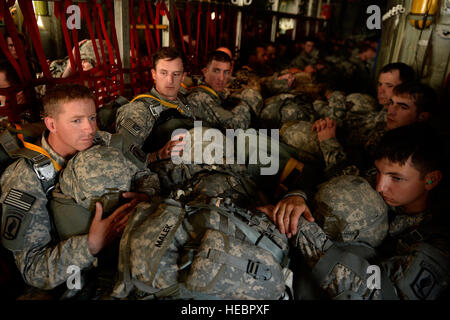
(416, 236)
(255, 269)
(44, 170)
(138, 153)
(152, 111)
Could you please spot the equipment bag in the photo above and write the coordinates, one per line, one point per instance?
(162, 249)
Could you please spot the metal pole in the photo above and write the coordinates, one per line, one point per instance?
(294, 32)
(273, 33)
(122, 23)
(166, 32)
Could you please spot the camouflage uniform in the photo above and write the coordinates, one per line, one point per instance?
(304, 59)
(209, 106)
(285, 107)
(28, 231)
(413, 258)
(363, 126)
(299, 135)
(87, 53)
(144, 114)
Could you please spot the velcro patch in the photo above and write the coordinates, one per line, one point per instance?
(12, 225)
(19, 200)
(132, 127)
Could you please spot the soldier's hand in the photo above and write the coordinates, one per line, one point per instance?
(287, 213)
(103, 231)
(138, 196)
(289, 77)
(326, 128)
(172, 148)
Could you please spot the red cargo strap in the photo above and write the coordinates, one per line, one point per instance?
(148, 33)
(199, 12)
(4, 46)
(22, 70)
(105, 33)
(177, 13)
(156, 22)
(133, 36)
(99, 37)
(61, 14)
(86, 13)
(222, 18)
(27, 11)
(208, 21)
(187, 16)
(118, 64)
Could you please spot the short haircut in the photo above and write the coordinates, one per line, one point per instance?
(10, 73)
(308, 38)
(219, 56)
(364, 47)
(168, 53)
(418, 141)
(63, 93)
(406, 73)
(424, 96)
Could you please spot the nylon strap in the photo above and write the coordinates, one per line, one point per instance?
(37, 149)
(164, 103)
(210, 90)
(255, 268)
(336, 255)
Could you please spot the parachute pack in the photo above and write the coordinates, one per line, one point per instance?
(202, 251)
(18, 143)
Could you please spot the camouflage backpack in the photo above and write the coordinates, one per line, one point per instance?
(201, 251)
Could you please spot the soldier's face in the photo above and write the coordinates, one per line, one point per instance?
(11, 48)
(386, 83)
(308, 47)
(168, 76)
(217, 75)
(271, 53)
(73, 128)
(261, 56)
(402, 185)
(4, 83)
(401, 111)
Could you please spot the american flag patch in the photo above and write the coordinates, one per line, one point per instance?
(132, 127)
(19, 200)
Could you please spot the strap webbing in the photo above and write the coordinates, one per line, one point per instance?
(164, 103)
(37, 149)
(210, 90)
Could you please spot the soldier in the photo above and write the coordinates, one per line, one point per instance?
(27, 225)
(413, 259)
(361, 124)
(308, 55)
(150, 118)
(209, 100)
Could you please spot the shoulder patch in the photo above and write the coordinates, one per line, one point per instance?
(12, 225)
(19, 200)
(423, 284)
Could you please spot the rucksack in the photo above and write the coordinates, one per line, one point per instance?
(19, 143)
(200, 251)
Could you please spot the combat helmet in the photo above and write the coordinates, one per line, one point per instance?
(299, 135)
(93, 173)
(349, 210)
(360, 103)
